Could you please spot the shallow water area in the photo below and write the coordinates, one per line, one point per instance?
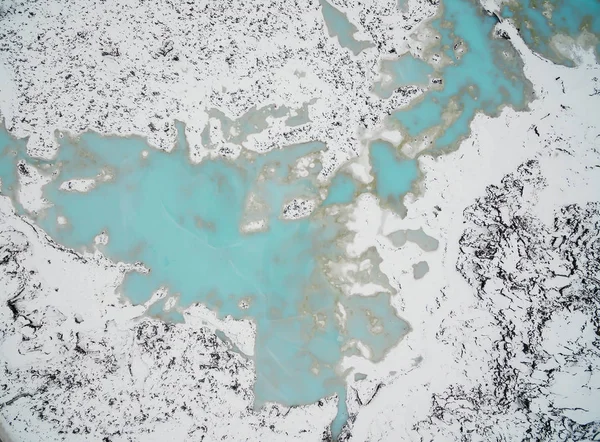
(480, 73)
(340, 27)
(184, 222)
(540, 22)
(342, 190)
(403, 71)
(394, 174)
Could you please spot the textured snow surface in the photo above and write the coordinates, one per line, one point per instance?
(134, 67)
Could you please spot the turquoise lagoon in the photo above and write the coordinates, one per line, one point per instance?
(182, 221)
(480, 73)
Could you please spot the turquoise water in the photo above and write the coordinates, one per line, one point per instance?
(183, 223)
(342, 190)
(404, 71)
(377, 327)
(339, 26)
(394, 175)
(480, 79)
(539, 20)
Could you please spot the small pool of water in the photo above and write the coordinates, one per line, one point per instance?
(342, 190)
(394, 174)
(403, 71)
(339, 26)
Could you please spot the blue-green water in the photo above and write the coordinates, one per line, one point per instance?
(394, 175)
(339, 26)
(342, 190)
(405, 70)
(539, 20)
(183, 223)
(480, 79)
